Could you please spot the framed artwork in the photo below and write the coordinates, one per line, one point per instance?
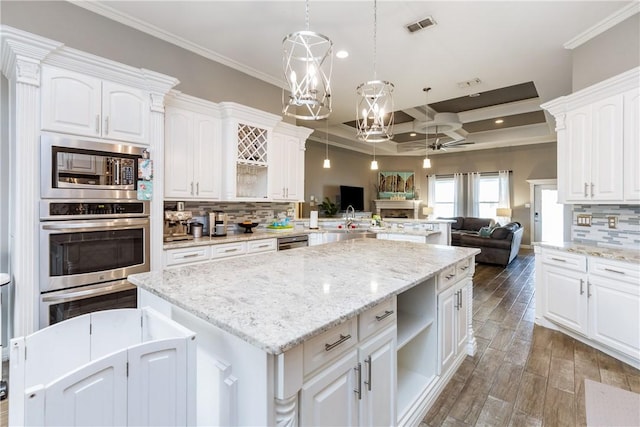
(396, 184)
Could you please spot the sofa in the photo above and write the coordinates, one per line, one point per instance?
(466, 225)
(501, 246)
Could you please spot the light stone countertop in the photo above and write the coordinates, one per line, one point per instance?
(628, 255)
(276, 301)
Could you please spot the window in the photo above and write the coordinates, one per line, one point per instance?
(488, 196)
(444, 201)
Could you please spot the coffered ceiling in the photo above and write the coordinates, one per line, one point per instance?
(483, 60)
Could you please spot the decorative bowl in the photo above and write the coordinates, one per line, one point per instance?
(248, 226)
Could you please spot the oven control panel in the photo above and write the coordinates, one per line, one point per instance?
(61, 210)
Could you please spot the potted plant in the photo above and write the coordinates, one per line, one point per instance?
(329, 208)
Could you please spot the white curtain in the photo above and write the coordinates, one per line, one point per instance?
(504, 196)
(473, 194)
(431, 191)
(458, 194)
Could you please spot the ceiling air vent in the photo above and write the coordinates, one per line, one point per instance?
(421, 24)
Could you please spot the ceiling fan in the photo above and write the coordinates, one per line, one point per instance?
(437, 145)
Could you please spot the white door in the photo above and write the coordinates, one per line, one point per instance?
(329, 398)
(157, 384)
(566, 297)
(446, 329)
(178, 153)
(95, 395)
(71, 102)
(378, 358)
(548, 214)
(614, 303)
(125, 113)
(577, 155)
(632, 145)
(607, 150)
(206, 161)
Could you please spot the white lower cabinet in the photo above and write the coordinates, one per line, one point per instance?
(356, 390)
(453, 319)
(596, 299)
(202, 253)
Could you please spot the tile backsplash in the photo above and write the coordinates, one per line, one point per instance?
(263, 212)
(626, 233)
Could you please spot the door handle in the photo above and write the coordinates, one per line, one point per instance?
(197, 188)
(343, 338)
(192, 188)
(592, 189)
(460, 296)
(386, 314)
(106, 125)
(581, 284)
(98, 123)
(358, 390)
(588, 289)
(586, 190)
(368, 362)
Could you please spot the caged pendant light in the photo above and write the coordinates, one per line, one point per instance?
(426, 163)
(374, 162)
(374, 112)
(307, 63)
(327, 163)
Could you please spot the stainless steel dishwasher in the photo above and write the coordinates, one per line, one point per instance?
(291, 242)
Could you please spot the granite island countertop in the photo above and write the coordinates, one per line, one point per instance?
(618, 254)
(278, 300)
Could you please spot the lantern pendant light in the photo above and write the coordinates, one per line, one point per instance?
(374, 162)
(307, 62)
(374, 112)
(426, 163)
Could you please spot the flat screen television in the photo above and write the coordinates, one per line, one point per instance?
(353, 196)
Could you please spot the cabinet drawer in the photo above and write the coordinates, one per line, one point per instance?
(617, 270)
(264, 245)
(330, 344)
(377, 318)
(564, 259)
(228, 250)
(186, 255)
(447, 278)
(465, 268)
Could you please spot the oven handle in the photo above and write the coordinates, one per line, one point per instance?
(122, 285)
(85, 225)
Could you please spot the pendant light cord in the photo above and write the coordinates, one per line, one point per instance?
(375, 38)
(326, 138)
(426, 120)
(306, 16)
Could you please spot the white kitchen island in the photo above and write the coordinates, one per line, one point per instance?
(353, 333)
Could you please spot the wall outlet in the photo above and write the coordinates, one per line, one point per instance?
(584, 220)
(612, 221)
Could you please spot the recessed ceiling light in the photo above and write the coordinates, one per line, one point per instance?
(342, 54)
(499, 121)
(412, 134)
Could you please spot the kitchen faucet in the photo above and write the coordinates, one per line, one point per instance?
(348, 220)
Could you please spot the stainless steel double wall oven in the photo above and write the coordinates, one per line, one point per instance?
(93, 231)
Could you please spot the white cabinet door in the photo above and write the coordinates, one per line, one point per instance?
(577, 155)
(614, 314)
(294, 171)
(329, 398)
(206, 157)
(178, 153)
(277, 166)
(95, 395)
(378, 358)
(607, 150)
(71, 102)
(632, 145)
(565, 297)
(447, 313)
(125, 113)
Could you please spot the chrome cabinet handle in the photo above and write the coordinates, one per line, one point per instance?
(464, 268)
(97, 123)
(588, 289)
(592, 189)
(586, 189)
(386, 314)
(192, 188)
(343, 338)
(263, 246)
(456, 306)
(581, 284)
(368, 362)
(231, 250)
(197, 188)
(559, 259)
(106, 125)
(358, 390)
(449, 276)
(460, 305)
(614, 271)
(189, 256)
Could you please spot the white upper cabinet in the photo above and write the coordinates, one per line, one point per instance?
(598, 142)
(632, 145)
(192, 149)
(78, 104)
(286, 163)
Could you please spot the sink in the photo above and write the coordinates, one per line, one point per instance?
(339, 235)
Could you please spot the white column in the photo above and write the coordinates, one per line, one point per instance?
(156, 148)
(21, 58)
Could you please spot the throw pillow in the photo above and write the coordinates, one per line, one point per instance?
(500, 233)
(485, 232)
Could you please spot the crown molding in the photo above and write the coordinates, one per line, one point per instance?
(602, 26)
(102, 9)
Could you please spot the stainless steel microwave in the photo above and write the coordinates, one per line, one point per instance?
(78, 169)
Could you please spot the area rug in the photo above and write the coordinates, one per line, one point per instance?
(610, 406)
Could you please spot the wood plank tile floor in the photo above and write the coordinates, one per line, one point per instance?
(522, 374)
